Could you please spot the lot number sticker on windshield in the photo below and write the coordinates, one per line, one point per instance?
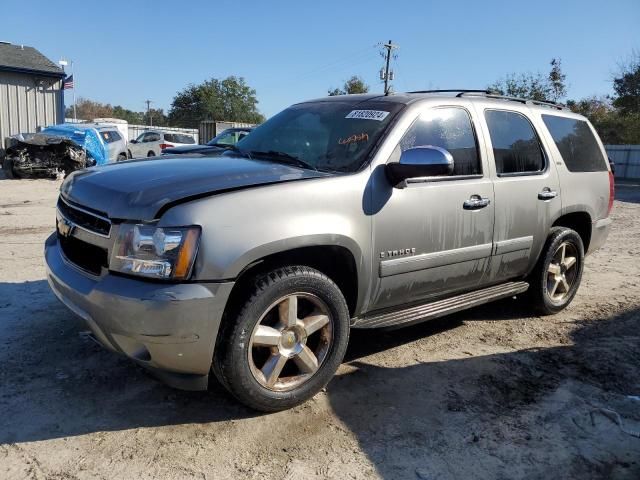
(378, 115)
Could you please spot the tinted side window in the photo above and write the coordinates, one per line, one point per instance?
(576, 143)
(179, 138)
(152, 137)
(449, 128)
(516, 147)
(115, 136)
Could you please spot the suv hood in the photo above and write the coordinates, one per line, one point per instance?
(139, 189)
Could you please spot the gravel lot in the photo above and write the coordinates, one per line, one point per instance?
(489, 393)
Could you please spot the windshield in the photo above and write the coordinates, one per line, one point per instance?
(336, 136)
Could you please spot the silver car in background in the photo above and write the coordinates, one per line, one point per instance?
(152, 142)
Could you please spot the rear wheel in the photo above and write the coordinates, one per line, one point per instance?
(556, 278)
(122, 157)
(151, 154)
(287, 341)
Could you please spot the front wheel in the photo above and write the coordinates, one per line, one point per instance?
(287, 341)
(557, 276)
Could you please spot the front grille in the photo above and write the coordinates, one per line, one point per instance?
(86, 256)
(85, 219)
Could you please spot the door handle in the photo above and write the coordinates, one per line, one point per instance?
(547, 194)
(475, 202)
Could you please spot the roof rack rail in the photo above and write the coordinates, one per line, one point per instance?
(493, 94)
(459, 91)
(528, 101)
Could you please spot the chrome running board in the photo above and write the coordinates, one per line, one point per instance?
(428, 311)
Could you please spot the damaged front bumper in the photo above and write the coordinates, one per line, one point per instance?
(170, 329)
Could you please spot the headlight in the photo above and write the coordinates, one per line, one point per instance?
(149, 251)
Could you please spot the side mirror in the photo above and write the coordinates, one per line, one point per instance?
(133, 141)
(427, 161)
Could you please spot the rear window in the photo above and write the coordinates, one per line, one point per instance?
(576, 143)
(110, 137)
(178, 138)
(516, 148)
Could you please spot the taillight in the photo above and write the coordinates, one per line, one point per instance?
(166, 145)
(612, 192)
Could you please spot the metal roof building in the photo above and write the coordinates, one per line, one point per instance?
(31, 94)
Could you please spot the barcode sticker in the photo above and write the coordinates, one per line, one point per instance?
(378, 115)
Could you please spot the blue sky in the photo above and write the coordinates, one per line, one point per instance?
(126, 52)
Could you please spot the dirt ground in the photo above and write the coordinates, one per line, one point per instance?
(491, 393)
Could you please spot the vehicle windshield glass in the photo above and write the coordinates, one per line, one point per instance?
(335, 136)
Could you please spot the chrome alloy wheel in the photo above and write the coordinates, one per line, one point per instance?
(562, 272)
(290, 341)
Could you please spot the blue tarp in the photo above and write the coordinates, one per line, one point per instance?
(88, 138)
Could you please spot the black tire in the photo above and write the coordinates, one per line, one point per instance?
(7, 167)
(541, 281)
(129, 154)
(234, 362)
(151, 154)
(121, 158)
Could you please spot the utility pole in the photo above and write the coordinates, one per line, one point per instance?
(386, 74)
(149, 102)
(75, 117)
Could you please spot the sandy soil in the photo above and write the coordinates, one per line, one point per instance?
(492, 393)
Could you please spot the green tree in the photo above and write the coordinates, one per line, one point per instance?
(230, 99)
(158, 118)
(88, 110)
(535, 86)
(135, 118)
(627, 86)
(613, 125)
(557, 80)
(354, 85)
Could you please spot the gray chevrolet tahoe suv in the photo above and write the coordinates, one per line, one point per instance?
(359, 211)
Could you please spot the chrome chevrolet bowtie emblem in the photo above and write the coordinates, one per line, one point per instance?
(65, 227)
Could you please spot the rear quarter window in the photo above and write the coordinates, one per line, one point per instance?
(577, 144)
(179, 138)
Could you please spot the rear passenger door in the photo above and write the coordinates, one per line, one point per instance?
(526, 190)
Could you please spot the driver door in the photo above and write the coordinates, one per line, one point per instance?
(434, 236)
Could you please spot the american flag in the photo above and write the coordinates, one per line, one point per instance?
(68, 83)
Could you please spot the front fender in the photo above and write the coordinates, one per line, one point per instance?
(291, 243)
(239, 228)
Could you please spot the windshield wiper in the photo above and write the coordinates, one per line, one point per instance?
(223, 145)
(233, 148)
(283, 157)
